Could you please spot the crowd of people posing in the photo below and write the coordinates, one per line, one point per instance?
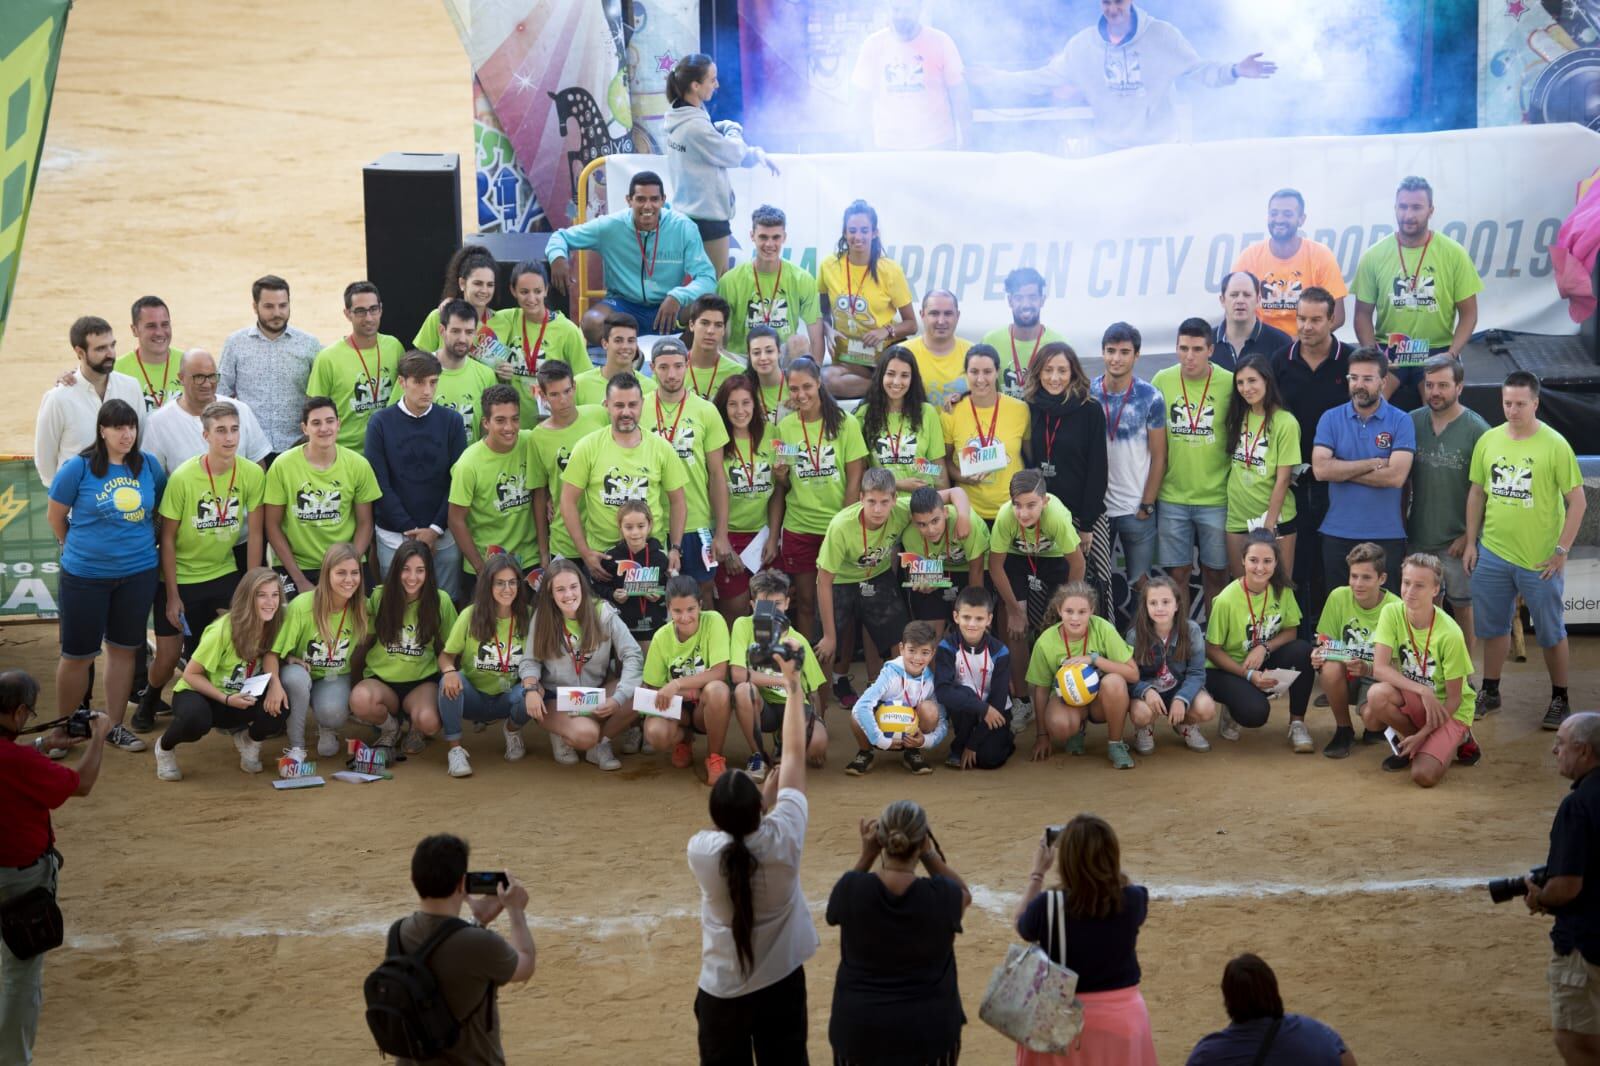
(515, 506)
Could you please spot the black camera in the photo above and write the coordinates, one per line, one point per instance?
(1052, 833)
(77, 725)
(486, 882)
(1506, 889)
(767, 628)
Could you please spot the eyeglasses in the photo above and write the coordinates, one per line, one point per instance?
(509, 583)
(205, 379)
(367, 312)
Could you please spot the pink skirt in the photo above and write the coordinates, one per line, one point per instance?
(1116, 1032)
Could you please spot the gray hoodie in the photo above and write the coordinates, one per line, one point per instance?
(698, 157)
(1130, 86)
(615, 641)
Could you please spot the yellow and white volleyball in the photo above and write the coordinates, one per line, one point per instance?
(1077, 684)
(127, 499)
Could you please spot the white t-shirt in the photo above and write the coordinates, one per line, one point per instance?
(1129, 421)
(784, 936)
(174, 436)
(67, 418)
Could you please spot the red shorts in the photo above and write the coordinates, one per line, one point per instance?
(730, 584)
(798, 554)
(1442, 742)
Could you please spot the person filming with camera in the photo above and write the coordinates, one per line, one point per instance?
(31, 786)
(1570, 891)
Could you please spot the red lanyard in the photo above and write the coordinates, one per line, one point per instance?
(1052, 426)
(1068, 641)
(1111, 428)
(849, 290)
(1250, 441)
(531, 355)
(755, 278)
(694, 382)
(670, 434)
(983, 677)
(1422, 656)
(1193, 413)
(502, 652)
(1412, 278)
(222, 501)
(250, 668)
(1015, 363)
(640, 237)
(944, 544)
(778, 403)
(378, 351)
(573, 654)
(814, 453)
(894, 438)
(982, 440)
(166, 370)
(1258, 622)
(634, 561)
(748, 467)
(337, 633)
(882, 530)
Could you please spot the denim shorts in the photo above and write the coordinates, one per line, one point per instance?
(109, 610)
(1181, 525)
(1138, 537)
(691, 564)
(1496, 584)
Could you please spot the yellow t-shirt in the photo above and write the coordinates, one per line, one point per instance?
(860, 303)
(942, 375)
(969, 439)
(1283, 280)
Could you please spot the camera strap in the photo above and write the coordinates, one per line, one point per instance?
(43, 727)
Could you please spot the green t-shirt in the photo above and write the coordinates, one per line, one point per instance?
(490, 665)
(223, 666)
(1443, 654)
(774, 398)
(495, 490)
(550, 449)
(1416, 303)
(739, 639)
(298, 637)
(787, 303)
(1440, 479)
(1052, 649)
(750, 482)
(817, 470)
(563, 342)
(1345, 620)
(1239, 619)
(1015, 356)
(589, 387)
(319, 506)
(705, 383)
(1055, 537)
(359, 383)
(461, 390)
(408, 658)
(670, 658)
(1197, 456)
(902, 442)
(693, 427)
(852, 553)
(952, 554)
(608, 474)
(158, 382)
(210, 519)
(1253, 468)
(1524, 483)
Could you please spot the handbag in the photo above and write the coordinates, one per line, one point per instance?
(1031, 998)
(30, 924)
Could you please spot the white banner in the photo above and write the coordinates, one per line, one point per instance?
(1145, 235)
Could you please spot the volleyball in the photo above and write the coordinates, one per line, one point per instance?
(1077, 684)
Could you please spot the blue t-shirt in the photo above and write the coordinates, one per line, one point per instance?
(1361, 512)
(111, 529)
(1301, 1041)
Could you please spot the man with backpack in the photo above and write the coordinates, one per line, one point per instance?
(432, 999)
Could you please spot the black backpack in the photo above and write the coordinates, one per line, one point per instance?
(406, 1010)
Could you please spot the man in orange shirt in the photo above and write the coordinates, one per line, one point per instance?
(910, 80)
(1288, 264)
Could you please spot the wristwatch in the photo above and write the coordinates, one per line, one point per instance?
(1146, 509)
(1560, 550)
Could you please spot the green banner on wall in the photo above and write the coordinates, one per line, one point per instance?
(29, 557)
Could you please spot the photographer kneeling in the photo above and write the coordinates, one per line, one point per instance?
(31, 786)
(1570, 890)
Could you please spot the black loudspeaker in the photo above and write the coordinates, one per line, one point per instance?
(413, 214)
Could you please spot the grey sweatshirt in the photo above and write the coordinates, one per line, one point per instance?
(698, 157)
(615, 641)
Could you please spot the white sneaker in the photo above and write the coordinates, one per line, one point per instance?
(327, 743)
(249, 752)
(167, 764)
(1193, 738)
(1021, 715)
(1227, 728)
(1144, 740)
(1300, 737)
(632, 740)
(515, 749)
(602, 756)
(460, 763)
(564, 753)
(388, 733)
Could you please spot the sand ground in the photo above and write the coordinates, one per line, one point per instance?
(195, 146)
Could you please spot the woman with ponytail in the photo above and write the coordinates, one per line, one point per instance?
(897, 955)
(757, 929)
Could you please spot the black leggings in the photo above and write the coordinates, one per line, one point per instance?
(969, 732)
(1247, 704)
(193, 716)
(767, 1026)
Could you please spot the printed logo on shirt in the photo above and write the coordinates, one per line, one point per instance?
(687, 665)
(235, 680)
(1011, 382)
(618, 486)
(1019, 546)
(1384, 440)
(1256, 458)
(121, 497)
(511, 492)
(312, 504)
(488, 659)
(855, 308)
(1357, 640)
(1413, 669)
(1281, 294)
(209, 513)
(563, 457)
(907, 77)
(883, 449)
(1203, 428)
(742, 483)
(827, 464)
(1406, 296)
(1123, 71)
(773, 312)
(1265, 629)
(368, 397)
(1511, 480)
(154, 400)
(873, 556)
(319, 657)
(464, 408)
(408, 645)
(682, 441)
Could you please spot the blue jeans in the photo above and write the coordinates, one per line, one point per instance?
(1496, 584)
(22, 983)
(1138, 537)
(473, 706)
(446, 564)
(644, 315)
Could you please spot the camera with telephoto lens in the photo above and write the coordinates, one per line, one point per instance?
(1506, 889)
(78, 726)
(767, 628)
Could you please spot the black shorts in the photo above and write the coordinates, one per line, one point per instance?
(713, 229)
(876, 604)
(1034, 585)
(402, 689)
(202, 602)
(289, 589)
(938, 605)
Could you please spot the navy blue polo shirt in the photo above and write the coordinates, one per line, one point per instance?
(1573, 853)
(1356, 511)
(1263, 340)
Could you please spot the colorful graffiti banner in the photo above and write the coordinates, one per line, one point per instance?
(1537, 67)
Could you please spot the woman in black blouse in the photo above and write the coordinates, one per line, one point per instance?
(895, 999)
(1067, 443)
(1104, 912)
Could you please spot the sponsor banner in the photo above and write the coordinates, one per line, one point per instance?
(29, 558)
(1145, 235)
